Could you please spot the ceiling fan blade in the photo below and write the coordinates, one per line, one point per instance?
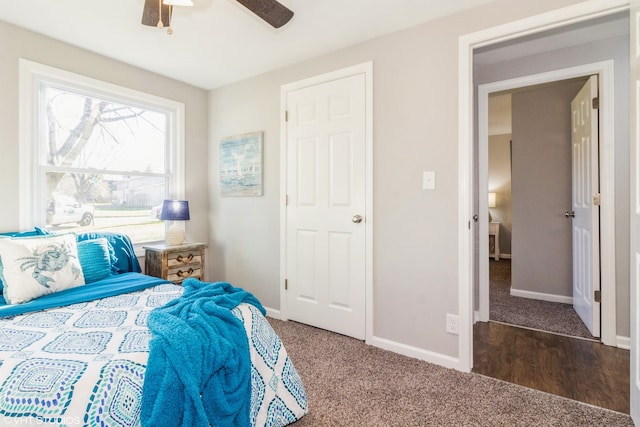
(151, 13)
(271, 11)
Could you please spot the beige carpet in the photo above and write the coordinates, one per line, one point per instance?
(351, 384)
(536, 314)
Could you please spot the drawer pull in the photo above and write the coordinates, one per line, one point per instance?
(187, 273)
(181, 259)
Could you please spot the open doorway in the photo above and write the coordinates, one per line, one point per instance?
(542, 166)
(506, 67)
(505, 74)
(530, 196)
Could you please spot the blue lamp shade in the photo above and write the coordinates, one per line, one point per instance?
(175, 210)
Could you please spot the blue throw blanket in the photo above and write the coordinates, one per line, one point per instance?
(199, 368)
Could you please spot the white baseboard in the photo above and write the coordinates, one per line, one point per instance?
(272, 312)
(405, 350)
(623, 342)
(415, 352)
(541, 296)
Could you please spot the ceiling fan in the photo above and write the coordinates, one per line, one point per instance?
(157, 13)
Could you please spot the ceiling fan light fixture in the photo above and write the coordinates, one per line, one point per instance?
(177, 2)
(271, 11)
(157, 13)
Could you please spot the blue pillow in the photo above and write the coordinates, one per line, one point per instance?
(94, 259)
(37, 231)
(123, 250)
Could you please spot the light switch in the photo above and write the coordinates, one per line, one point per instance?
(428, 180)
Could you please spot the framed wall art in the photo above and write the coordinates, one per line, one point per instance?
(241, 165)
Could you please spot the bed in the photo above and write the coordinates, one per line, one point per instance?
(129, 349)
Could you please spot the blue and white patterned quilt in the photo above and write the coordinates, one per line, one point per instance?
(84, 364)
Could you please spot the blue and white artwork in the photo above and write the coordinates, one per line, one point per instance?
(241, 165)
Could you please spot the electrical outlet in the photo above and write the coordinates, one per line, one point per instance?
(452, 324)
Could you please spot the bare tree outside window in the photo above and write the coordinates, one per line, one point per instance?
(103, 162)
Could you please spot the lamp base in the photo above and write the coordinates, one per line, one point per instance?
(175, 235)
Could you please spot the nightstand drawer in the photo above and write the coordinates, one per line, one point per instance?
(177, 275)
(184, 258)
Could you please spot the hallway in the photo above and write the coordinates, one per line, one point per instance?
(575, 368)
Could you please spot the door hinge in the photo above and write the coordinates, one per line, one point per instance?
(286, 115)
(596, 199)
(595, 103)
(286, 284)
(286, 200)
(596, 296)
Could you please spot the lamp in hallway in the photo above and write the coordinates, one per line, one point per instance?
(491, 203)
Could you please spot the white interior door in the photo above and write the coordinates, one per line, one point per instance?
(635, 211)
(326, 185)
(585, 210)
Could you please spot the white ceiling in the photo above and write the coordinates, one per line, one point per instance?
(217, 42)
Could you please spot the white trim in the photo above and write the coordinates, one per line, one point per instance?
(27, 128)
(283, 204)
(365, 68)
(541, 296)
(483, 212)
(465, 205)
(623, 342)
(415, 352)
(30, 72)
(605, 71)
(273, 313)
(467, 43)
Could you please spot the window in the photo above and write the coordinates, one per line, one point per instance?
(96, 156)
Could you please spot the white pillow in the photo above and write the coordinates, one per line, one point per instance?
(35, 266)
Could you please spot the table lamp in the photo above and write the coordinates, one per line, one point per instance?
(175, 210)
(491, 203)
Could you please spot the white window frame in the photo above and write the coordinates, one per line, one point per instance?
(31, 73)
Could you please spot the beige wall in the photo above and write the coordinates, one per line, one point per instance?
(541, 131)
(20, 43)
(415, 253)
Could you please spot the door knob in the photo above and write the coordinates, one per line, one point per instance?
(570, 214)
(357, 219)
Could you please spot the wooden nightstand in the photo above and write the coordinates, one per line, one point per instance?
(175, 263)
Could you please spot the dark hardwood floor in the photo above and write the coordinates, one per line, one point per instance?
(578, 369)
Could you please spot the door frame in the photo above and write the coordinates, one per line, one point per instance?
(558, 18)
(365, 68)
(634, 211)
(604, 71)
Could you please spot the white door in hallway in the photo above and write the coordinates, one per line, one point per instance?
(325, 214)
(585, 207)
(634, 202)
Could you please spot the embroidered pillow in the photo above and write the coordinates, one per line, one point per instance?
(37, 231)
(37, 266)
(95, 259)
